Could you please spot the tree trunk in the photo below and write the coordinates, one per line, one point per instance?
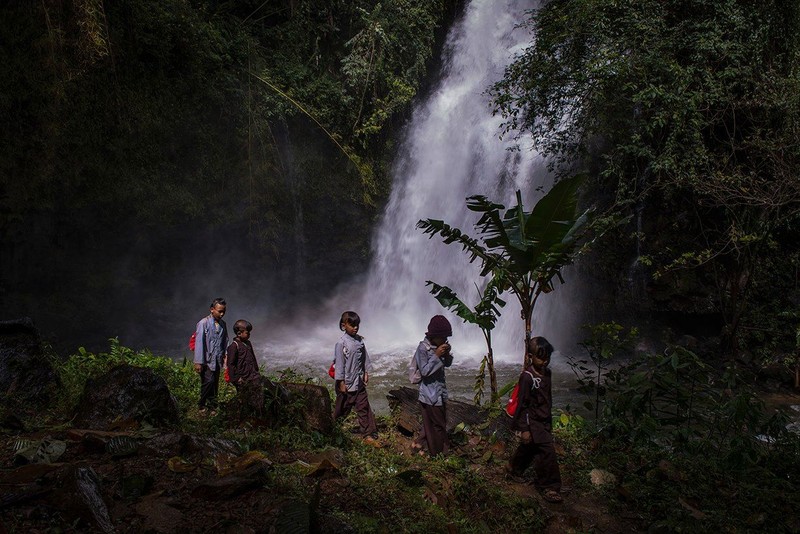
(492, 374)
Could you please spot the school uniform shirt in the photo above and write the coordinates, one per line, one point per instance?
(433, 388)
(535, 411)
(242, 361)
(351, 361)
(210, 343)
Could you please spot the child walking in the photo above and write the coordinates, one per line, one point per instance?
(533, 422)
(352, 365)
(432, 356)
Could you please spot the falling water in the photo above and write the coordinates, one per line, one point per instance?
(451, 149)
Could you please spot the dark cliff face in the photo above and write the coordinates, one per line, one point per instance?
(101, 273)
(145, 173)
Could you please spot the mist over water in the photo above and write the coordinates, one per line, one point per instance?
(451, 149)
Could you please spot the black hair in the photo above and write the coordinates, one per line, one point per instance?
(218, 300)
(539, 347)
(351, 318)
(241, 325)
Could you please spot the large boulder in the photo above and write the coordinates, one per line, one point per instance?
(126, 393)
(312, 405)
(261, 401)
(26, 375)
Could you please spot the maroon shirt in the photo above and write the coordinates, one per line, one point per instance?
(534, 413)
(242, 363)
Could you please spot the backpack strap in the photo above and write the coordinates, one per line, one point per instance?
(529, 373)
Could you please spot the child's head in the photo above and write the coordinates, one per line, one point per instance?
(242, 328)
(349, 322)
(539, 352)
(439, 330)
(217, 308)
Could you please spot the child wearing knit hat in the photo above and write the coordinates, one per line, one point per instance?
(432, 356)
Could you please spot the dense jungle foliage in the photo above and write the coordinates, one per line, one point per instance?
(155, 151)
(151, 148)
(681, 444)
(689, 113)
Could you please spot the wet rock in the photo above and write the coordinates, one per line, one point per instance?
(312, 406)
(126, 392)
(26, 374)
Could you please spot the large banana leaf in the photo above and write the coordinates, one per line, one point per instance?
(519, 247)
(484, 314)
(451, 234)
(554, 215)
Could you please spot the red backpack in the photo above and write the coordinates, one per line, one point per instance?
(513, 400)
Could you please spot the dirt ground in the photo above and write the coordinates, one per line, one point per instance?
(114, 482)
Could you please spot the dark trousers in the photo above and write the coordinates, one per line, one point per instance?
(358, 400)
(545, 463)
(209, 386)
(434, 425)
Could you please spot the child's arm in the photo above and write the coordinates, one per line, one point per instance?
(338, 361)
(233, 362)
(427, 365)
(447, 359)
(200, 347)
(525, 384)
(367, 365)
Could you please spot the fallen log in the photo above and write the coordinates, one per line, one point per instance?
(404, 405)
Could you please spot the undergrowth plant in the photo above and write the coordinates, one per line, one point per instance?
(605, 341)
(677, 400)
(84, 365)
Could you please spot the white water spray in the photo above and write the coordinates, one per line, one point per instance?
(451, 149)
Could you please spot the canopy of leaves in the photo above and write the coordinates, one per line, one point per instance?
(691, 108)
(138, 135)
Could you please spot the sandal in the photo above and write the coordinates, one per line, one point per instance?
(551, 495)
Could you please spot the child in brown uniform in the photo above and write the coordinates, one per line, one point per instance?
(533, 422)
(242, 363)
(244, 373)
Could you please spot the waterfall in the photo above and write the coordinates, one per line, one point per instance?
(451, 150)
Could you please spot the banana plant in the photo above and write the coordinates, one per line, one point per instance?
(484, 315)
(523, 251)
